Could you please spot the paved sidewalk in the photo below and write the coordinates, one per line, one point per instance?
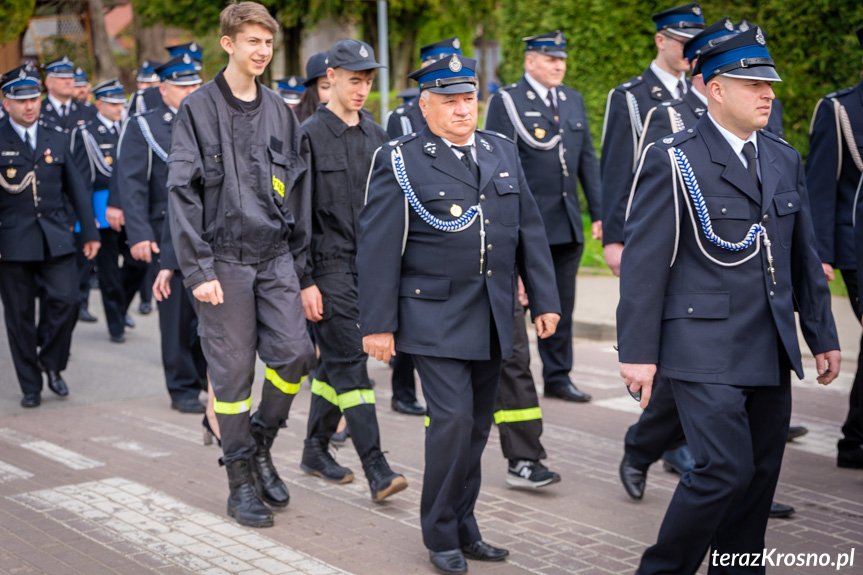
(111, 481)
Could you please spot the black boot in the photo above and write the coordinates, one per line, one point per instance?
(383, 481)
(270, 486)
(318, 461)
(244, 505)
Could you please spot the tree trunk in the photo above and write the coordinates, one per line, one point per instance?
(150, 41)
(402, 63)
(106, 66)
(292, 42)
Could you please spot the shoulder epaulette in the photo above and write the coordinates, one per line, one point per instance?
(678, 138)
(632, 82)
(144, 113)
(840, 92)
(401, 140)
(776, 138)
(509, 86)
(496, 134)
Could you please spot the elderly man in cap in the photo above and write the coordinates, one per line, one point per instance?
(449, 214)
(291, 89)
(140, 183)
(625, 110)
(549, 122)
(37, 177)
(59, 108)
(93, 149)
(719, 256)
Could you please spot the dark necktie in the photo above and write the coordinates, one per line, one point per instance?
(27, 139)
(681, 89)
(751, 162)
(552, 105)
(467, 160)
(65, 111)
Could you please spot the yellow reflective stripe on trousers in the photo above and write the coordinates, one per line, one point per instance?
(428, 420)
(355, 398)
(516, 415)
(281, 384)
(227, 408)
(326, 391)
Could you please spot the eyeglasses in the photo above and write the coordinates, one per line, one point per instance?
(671, 37)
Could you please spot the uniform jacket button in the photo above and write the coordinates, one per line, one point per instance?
(564, 194)
(442, 193)
(489, 247)
(482, 197)
(790, 205)
(487, 222)
(690, 310)
(724, 211)
(488, 273)
(766, 218)
(772, 295)
(418, 291)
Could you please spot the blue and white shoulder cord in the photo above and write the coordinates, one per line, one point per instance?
(465, 221)
(681, 167)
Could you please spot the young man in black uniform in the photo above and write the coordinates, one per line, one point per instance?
(342, 141)
(140, 182)
(36, 243)
(239, 198)
(93, 148)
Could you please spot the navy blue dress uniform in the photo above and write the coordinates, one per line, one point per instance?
(75, 113)
(776, 122)
(93, 148)
(448, 295)
(140, 179)
(719, 324)
(834, 169)
(146, 98)
(408, 118)
(625, 111)
(404, 120)
(36, 242)
(557, 152)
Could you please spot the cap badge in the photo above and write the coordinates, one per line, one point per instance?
(558, 39)
(455, 64)
(539, 133)
(667, 140)
(562, 96)
(531, 95)
(730, 27)
(186, 59)
(456, 44)
(455, 210)
(696, 10)
(292, 82)
(22, 74)
(193, 47)
(363, 52)
(759, 37)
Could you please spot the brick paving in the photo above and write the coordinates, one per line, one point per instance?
(111, 481)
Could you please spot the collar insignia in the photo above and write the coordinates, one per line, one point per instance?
(430, 148)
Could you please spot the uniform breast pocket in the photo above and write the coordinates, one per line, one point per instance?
(507, 193)
(332, 181)
(421, 303)
(730, 217)
(693, 323)
(787, 205)
(575, 127)
(443, 201)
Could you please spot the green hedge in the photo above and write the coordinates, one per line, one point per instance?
(609, 41)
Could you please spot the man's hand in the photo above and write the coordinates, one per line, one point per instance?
(546, 324)
(115, 218)
(639, 377)
(162, 285)
(381, 346)
(91, 249)
(143, 251)
(613, 252)
(596, 230)
(313, 303)
(521, 294)
(209, 292)
(827, 364)
(828, 271)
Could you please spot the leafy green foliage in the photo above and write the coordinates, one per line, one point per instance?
(609, 41)
(14, 14)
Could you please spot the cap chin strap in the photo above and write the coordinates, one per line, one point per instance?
(442, 82)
